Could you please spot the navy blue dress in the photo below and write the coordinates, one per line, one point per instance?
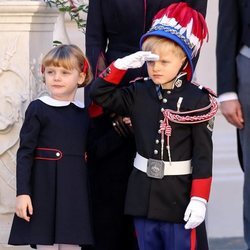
(51, 168)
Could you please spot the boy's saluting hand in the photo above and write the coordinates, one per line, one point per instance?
(135, 60)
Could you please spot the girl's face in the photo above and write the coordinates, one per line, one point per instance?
(166, 68)
(62, 83)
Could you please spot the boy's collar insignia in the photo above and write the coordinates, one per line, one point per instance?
(179, 79)
(178, 83)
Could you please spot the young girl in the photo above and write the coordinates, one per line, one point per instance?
(52, 204)
(172, 120)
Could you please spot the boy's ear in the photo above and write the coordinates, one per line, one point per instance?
(185, 62)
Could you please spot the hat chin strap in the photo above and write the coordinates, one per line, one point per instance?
(179, 73)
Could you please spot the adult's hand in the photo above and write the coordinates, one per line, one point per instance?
(122, 125)
(233, 112)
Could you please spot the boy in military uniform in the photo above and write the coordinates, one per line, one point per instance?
(172, 120)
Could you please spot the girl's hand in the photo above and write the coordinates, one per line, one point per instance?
(24, 207)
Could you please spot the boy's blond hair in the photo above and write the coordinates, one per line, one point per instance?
(153, 42)
(183, 25)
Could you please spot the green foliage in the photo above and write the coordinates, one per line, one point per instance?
(75, 11)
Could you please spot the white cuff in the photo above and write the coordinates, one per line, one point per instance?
(228, 96)
(199, 199)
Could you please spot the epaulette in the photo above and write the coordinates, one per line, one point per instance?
(205, 89)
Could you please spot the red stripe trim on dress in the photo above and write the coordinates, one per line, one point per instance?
(56, 154)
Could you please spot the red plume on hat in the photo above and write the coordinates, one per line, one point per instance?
(182, 24)
(187, 21)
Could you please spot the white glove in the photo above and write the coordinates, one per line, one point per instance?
(135, 60)
(195, 212)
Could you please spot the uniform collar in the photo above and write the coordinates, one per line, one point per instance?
(56, 103)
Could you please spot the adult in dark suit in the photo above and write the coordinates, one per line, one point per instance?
(114, 29)
(233, 78)
(111, 33)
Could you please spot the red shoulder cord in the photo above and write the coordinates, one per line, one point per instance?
(184, 118)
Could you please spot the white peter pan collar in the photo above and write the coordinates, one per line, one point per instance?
(56, 103)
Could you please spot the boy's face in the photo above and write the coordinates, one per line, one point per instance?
(166, 68)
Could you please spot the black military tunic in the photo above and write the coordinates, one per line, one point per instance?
(162, 199)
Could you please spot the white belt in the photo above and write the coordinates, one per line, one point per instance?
(173, 168)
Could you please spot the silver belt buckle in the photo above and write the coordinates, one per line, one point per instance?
(155, 168)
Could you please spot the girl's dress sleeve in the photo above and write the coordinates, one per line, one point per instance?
(25, 155)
